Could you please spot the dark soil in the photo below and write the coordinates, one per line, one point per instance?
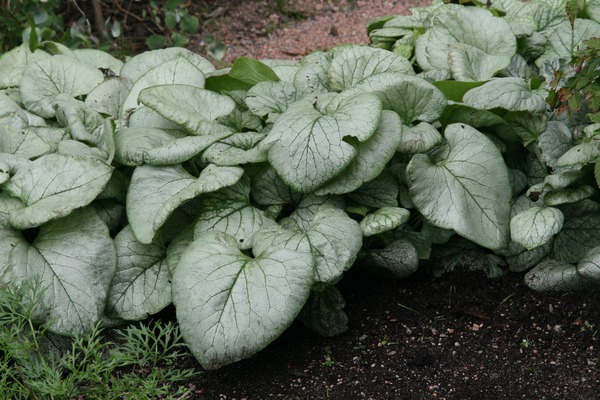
(460, 336)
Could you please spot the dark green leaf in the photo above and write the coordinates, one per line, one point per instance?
(455, 90)
(252, 71)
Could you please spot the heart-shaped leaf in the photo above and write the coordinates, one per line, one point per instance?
(465, 189)
(229, 305)
(310, 147)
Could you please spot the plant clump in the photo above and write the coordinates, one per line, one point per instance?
(243, 195)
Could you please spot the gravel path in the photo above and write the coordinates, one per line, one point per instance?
(261, 30)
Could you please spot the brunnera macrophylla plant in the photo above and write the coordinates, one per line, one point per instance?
(243, 195)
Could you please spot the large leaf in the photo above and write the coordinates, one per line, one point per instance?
(177, 71)
(552, 275)
(555, 141)
(139, 65)
(309, 147)
(23, 142)
(380, 192)
(137, 146)
(470, 42)
(565, 40)
(466, 189)
(229, 305)
(373, 155)
(353, 63)
(333, 238)
(383, 220)
(271, 98)
(155, 192)
(324, 314)
(589, 266)
(229, 210)
(13, 63)
(512, 94)
(85, 125)
(75, 259)
(536, 226)
(413, 98)
(54, 185)
(579, 235)
(108, 97)
(141, 285)
(45, 79)
(251, 71)
(399, 259)
(419, 138)
(237, 149)
(193, 108)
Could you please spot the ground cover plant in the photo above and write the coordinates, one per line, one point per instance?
(243, 195)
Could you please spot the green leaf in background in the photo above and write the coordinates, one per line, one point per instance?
(53, 186)
(229, 305)
(251, 71)
(536, 226)
(455, 90)
(466, 190)
(155, 42)
(190, 24)
(155, 192)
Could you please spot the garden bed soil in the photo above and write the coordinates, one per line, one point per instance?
(460, 336)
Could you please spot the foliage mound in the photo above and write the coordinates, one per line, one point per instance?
(242, 195)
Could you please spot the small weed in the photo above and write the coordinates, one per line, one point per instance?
(175, 22)
(589, 327)
(386, 341)
(36, 364)
(525, 343)
(409, 309)
(328, 360)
